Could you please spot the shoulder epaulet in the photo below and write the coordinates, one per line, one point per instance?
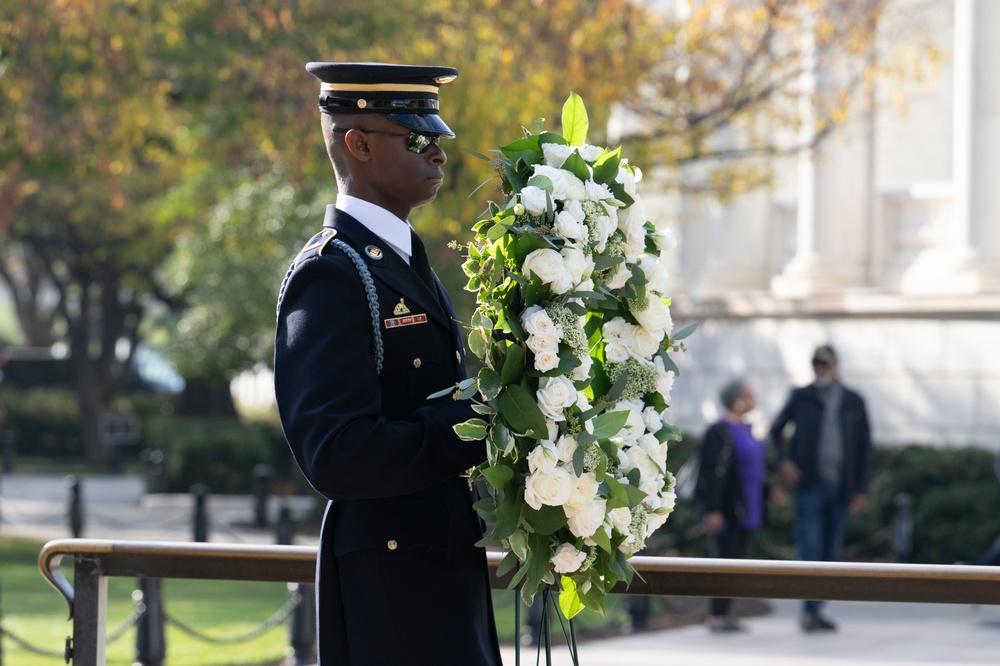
(314, 248)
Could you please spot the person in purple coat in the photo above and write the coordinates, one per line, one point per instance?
(732, 487)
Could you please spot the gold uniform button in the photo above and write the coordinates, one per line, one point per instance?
(416, 362)
(392, 545)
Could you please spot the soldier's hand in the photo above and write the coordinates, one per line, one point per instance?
(790, 473)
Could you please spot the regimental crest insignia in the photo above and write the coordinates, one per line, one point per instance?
(401, 308)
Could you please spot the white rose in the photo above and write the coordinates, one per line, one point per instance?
(654, 521)
(653, 420)
(621, 276)
(656, 317)
(567, 558)
(566, 446)
(627, 179)
(540, 343)
(552, 428)
(577, 264)
(597, 191)
(617, 340)
(556, 154)
(590, 153)
(555, 394)
(634, 247)
(564, 184)
(568, 226)
(575, 208)
(648, 471)
(655, 272)
(584, 491)
(581, 401)
(586, 520)
(586, 285)
(546, 359)
(548, 266)
(664, 379)
(536, 321)
(621, 519)
(645, 343)
(656, 450)
(551, 489)
(632, 220)
(582, 371)
(664, 240)
(634, 426)
(535, 200)
(543, 458)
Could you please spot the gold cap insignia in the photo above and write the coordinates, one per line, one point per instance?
(374, 252)
(401, 308)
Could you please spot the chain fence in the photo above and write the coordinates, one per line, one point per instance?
(278, 618)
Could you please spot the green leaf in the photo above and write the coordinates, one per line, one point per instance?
(578, 456)
(551, 137)
(607, 165)
(684, 332)
(508, 514)
(519, 543)
(602, 262)
(472, 430)
(520, 410)
(498, 475)
(513, 365)
(485, 410)
(541, 182)
(618, 387)
(668, 364)
(546, 520)
(478, 343)
(569, 601)
(489, 383)
(577, 166)
(507, 564)
(575, 122)
(442, 393)
(601, 538)
(609, 424)
(513, 177)
(500, 437)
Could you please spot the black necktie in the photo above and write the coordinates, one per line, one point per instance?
(419, 263)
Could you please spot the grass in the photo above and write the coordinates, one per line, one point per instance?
(36, 613)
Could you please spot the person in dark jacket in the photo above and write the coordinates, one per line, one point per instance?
(732, 487)
(365, 334)
(826, 464)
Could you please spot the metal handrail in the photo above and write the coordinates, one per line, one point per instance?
(95, 560)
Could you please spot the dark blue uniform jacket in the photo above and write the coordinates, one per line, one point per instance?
(399, 579)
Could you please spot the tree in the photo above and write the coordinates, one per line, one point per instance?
(88, 137)
(744, 81)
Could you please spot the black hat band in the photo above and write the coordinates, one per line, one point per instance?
(328, 103)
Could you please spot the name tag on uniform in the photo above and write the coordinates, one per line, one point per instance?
(408, 320)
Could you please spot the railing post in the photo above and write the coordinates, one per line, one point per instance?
(150, 638)
(9, 451)
(1, 620)
(285, 530)
(902, 528)
(261, 489)
(90, 610)
(75, 513)
(200, 492)
(302, 628)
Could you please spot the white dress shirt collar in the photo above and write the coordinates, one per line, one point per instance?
(394, 231)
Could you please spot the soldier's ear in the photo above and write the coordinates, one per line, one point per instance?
(357, 145)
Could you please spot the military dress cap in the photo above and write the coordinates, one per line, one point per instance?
(405, 94)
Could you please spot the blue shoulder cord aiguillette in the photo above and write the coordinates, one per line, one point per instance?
(366, 279)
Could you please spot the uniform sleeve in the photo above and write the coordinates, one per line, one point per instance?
(777, 432)
(330, 403)
(710, 478)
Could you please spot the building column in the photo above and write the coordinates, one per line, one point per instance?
(833, 200)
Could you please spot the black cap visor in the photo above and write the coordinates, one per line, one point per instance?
(424, 123)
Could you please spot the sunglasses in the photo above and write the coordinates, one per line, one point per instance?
(415, 141)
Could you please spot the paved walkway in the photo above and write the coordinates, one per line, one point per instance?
(888, 634)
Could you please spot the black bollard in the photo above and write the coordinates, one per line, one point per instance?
(902, 528)
(1, 618)
(285, 532)
(261, 489)
(200, 492)
(302, 628)
(150, 638)
(75, 513)
(9, 451)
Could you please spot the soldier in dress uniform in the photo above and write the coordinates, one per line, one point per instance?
(365, 334)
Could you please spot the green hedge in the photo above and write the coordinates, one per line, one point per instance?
(956, 508)
(44, 422)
